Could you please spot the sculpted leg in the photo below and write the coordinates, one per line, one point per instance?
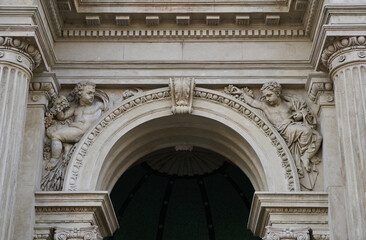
(64, 135)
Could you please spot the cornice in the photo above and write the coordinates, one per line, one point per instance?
(32, 27)
(167, 33)
(195, 29)
(329, 30)
(308, 204)
(68, 203)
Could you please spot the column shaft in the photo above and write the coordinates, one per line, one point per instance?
(14, 83)
(350, 96)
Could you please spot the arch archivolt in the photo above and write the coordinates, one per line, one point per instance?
(145, 123)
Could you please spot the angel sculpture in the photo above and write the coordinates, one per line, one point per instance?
(293, 120)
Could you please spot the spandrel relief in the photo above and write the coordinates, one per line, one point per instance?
(66, 121)
(293, 120)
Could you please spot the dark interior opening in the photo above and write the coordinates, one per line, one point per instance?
(183, 193)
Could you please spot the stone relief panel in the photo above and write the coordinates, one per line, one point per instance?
(67, 119)
(292, 118)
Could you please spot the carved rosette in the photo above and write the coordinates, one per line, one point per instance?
(343, 51)
(182, 94)
(90, 233)
(19, 52)
(287, 233)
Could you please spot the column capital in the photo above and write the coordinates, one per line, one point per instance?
(21, 52)
(344, 50)
(275, 233)
(320, 89)
(90, 233)
(42, 88)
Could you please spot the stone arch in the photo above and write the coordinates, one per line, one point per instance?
(219, 122)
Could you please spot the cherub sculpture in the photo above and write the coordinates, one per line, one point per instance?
(293, 120)
(66, 122)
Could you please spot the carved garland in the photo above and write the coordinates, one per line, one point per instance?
(22, 46)
(266, 127)
(164, 93)
(125, 106)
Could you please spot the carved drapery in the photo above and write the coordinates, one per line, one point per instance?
(297, 126)
(182, 94)
(17, 61)
(346, 61)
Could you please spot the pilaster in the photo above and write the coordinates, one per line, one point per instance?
(41, 89)
(17, 61)
(320, 91)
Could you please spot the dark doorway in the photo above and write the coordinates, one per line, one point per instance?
(183, 193)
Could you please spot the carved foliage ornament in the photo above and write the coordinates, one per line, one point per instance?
(23, 47)
(90, 233)
(287, 233)
(182, 94)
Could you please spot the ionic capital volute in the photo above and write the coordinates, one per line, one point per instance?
(19, 52)
(343, 51)
(42, 88)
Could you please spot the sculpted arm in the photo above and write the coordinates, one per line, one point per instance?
(65, 115)
(252, 102)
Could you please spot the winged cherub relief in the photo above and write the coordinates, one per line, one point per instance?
(294, 121)
(67, 119)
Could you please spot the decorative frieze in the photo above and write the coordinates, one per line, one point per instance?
(274, 233)
(66, 216)
(123, 21)
(86, 233)
(92, 20)
(242, 20)
(182, 33)
(272, 20)
(183, 20)
(289, 215)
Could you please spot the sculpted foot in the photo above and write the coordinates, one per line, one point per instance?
(306, 162)
(51, 164)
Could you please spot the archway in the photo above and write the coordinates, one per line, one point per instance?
(183, 192)
(145, 123)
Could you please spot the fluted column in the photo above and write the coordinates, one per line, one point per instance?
(346, 60)
(17, 60)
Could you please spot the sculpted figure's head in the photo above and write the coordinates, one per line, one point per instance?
(86, 91)
(271, 92)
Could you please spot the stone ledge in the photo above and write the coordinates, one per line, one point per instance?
(288, 210)
(75, 209)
